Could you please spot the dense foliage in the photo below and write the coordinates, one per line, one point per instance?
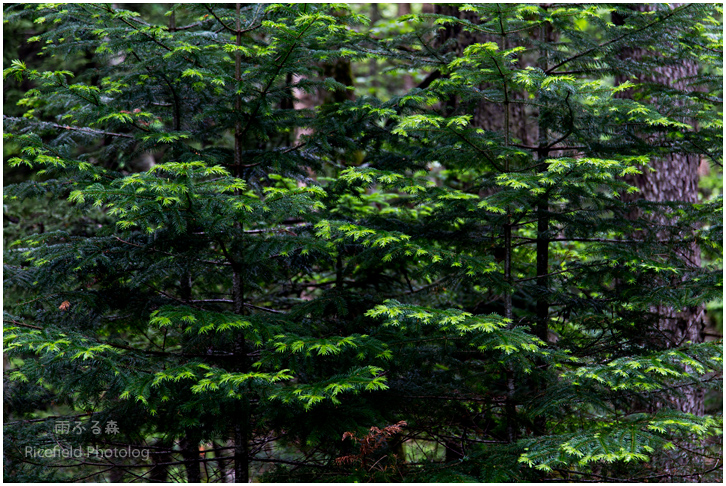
(256, 260)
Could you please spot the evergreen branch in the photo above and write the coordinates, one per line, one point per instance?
(570, 127)
(618, 39)
(161, 353)
(286, 151)
(230, 260)
(707, 153)
(230, 29)
(92, 101)
(591, 240)
(718, 465)
(478, 149)
(501, 25)
(77, 129)
(501, 399)
(22, 324)
(230, 301)
(211, 11)
(551, 149)
(472, 440)
(263, 93)
(318, 284)
(596, 264)
(641, 479)
(187, 27)
(436, 74)
(165, 294)
(288, 462)
(247, 166)
(274, 311)
(592, 475)
(431, 51)
(208, 262)
(153, 38)
(294, 147)
(149, 36)
(37, 298)
(177, 107)
(501, 31)
(682, 447)
(425, 287)
(562, 213)
(149, 339)
(428, 340)
(531, 167)
(411, 58)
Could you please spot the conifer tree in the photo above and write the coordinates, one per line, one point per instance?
(166, 311)
(675, 178)
(578, 230)
(454, 302)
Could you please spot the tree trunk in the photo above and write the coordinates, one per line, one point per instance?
(517, 126)
(241, 435)
(160, 472)
(407, 80)
(221, 462)
(375, 16)
(190, 452)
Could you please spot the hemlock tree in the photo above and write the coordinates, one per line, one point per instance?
(154, 314)
(453, 301)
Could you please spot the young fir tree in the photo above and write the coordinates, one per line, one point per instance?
(388, 272)
(176, 319)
